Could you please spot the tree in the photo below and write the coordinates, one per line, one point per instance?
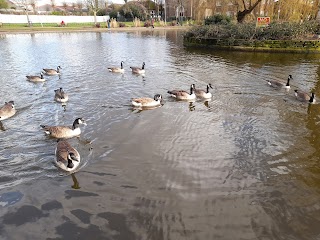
(246, 10)
(25, 6)
(33, 5)
(134, 9)
(65, 7)
(3, 4)
(53, 5)
(94, 6)
(80, 6)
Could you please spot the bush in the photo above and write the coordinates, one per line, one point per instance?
(113, 14)
(217, 19)
(122, 25)
(275, 31)
(131, 10)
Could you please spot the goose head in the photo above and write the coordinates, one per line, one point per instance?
(312, 98)
(289, 78)
(157, 97)
(77, 122)
(10, 103)
(209, 86)
(192, 88)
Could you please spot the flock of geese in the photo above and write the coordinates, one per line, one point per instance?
(147, 102)
(300, 95)
(68, 158)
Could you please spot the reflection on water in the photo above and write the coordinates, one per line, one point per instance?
(244, 165)
(75, 181)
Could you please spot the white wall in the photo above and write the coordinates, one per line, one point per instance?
(8, 18)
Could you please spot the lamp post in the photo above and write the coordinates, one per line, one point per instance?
(278, 1)
(165, 13)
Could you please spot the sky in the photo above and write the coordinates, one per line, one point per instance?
(59, 2)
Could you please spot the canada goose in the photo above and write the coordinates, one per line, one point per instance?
(67, 157)
(64, 131)
(117, 69)
(60, 96)
(138, 70)
(183, 95)
(50, 71)
(36, 78)
(304, 97)
(277, 84)
(7, 110)
(147, 102)
(202, 93)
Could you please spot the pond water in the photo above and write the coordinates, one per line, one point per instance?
(244, 165)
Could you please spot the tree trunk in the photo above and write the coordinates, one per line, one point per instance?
(242, 14)
(95, 17)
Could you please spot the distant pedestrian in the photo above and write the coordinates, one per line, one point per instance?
(108, 23)
(152, 22)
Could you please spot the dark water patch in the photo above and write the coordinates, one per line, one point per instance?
(24, 214)
(118, 222)
(75, 193)
(98, 183)
(101, 173)
(52, 205)
(129, 186)
(82, 215)
(70, 230)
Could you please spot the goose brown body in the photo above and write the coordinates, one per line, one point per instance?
(117, 69)
(138, 70)
(67, 157)
(277, 84)
(64, 131)
(147, 102)
(60, 96)
(182, 94)
(36, 78)
(203, 93)
(7, 110)
(304, 97)
(50, 71)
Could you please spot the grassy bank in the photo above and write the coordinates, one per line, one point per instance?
(49, 27)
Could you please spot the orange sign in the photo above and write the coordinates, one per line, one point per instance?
(263, 21)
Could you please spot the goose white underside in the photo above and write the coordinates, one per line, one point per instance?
(188, 97)
(139, 71)
(61, 100)
(63, 166)
(150, 104)
(116, 70)
(204, 95)
(37, 80)
(69, 133)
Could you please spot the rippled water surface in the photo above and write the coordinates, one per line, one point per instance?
(244, 165)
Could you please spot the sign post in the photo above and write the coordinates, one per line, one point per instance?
(263, 21)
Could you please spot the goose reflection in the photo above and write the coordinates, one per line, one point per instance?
(75, 181)
(206, 103)
(192, 107)
(140, 109)
(2, 127)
